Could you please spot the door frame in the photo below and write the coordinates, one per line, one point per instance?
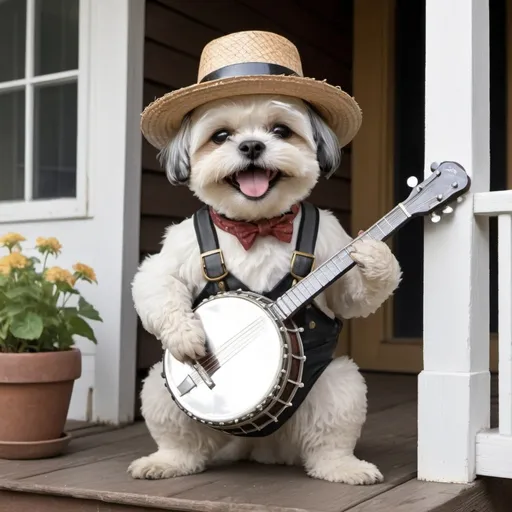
(372, 171)
(372, 345)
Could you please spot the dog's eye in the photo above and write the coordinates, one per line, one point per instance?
(220, 136)
(281, 131)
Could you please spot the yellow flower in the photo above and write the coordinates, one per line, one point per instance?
(13, 260)
(59, 275)
(5, 270)
(51, 245)
(11, 239)
(85, 271)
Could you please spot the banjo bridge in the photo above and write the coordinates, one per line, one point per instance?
(204, 375)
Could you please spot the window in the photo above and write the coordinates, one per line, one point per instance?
(42, 90)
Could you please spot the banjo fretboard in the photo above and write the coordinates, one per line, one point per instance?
(323, 276)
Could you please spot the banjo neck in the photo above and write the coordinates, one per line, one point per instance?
(303, 292)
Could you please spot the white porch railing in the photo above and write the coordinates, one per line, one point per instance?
(454, 386)
(455, 442)
(494, 447)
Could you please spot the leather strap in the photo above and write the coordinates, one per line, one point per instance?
(303, 257)
(211, 255)
(212, 259)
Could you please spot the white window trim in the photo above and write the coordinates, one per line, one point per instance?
(65, 208)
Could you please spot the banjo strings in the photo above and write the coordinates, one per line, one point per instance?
(242, 339)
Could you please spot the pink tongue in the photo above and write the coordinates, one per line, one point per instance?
(253, 183)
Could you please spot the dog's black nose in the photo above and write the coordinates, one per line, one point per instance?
(251, 148)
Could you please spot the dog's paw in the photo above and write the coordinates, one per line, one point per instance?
(187, 342)
(147, 468)
(347, 470)
(157, 466)
(376, 261)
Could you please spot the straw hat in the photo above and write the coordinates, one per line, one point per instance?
(251, 62)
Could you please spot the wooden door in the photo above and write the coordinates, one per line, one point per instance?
(388, 78)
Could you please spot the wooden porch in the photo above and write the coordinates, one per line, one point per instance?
(92, 475)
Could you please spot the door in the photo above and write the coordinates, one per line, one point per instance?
(388, 74)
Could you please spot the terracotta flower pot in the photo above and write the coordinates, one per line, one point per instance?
(35, 391)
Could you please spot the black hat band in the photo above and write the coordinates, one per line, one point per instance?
(247, 69)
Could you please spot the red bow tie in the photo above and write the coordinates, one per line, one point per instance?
(281, 227)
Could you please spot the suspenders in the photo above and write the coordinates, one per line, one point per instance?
(212, 259)
(303, 257)
(319, 341)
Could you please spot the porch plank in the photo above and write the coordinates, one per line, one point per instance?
(388, 440)
(13, 501)
(84, 428)
(135, 502)
(110, 476)
(385, 391)
(416, 496)
(72, 425)
(287, 488)
(82, 451)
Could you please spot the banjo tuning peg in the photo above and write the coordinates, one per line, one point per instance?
(435, 218)
(447, 210)
(434, 166)
(412, 181)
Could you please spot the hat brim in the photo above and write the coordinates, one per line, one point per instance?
(162, 118)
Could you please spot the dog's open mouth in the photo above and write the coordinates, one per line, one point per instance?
(254, 182)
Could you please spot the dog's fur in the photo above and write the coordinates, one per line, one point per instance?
(322, 434)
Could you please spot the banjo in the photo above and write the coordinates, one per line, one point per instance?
(255, 359)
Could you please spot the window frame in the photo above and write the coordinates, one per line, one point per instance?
(29, 209)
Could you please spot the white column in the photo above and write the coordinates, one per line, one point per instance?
(114, 162)
(454, 386)
(505, 321)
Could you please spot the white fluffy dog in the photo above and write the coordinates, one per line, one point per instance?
(291, 148)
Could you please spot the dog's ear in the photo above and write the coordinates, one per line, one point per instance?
(328, 151)
(174, 157)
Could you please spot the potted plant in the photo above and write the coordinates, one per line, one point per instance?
(40, 313)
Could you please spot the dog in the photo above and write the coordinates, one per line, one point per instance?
(252, 157)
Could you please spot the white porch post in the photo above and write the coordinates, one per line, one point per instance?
(116, 81)
(454, 386)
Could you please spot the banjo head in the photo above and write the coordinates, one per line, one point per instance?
(245, 356)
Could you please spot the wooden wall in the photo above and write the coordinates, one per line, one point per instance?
(176, 32)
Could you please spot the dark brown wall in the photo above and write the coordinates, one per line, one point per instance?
(176, 32)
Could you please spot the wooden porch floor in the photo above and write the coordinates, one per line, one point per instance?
(92, 476)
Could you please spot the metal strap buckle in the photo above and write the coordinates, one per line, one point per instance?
(292, 263)
(223, 265)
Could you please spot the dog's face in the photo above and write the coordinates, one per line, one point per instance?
(251, 157)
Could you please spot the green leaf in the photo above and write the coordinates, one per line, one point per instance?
(27, 327)
(30, 291)
(87, 310)
(65, 287)
(52, 320)
(69, 312)
(14, 308)
(3, 280)
(82, 328)
(4, 330)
